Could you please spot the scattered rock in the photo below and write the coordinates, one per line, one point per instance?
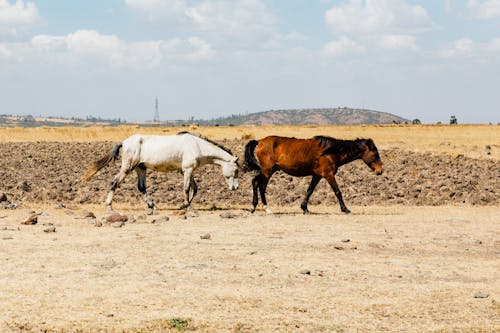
(305, 271)
(206, 236)
(192, 213)
(31, 220)
(118, 224)
(479, 242)
(90, 215)
(161, 219)
(49, 229)
(98, 224)
(7, 237)
(151, 211)
(3, 197)
(340, 248)
(347, 240)
(116, 218)
(480, 294)
(228, 215)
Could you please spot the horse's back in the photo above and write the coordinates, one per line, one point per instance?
(291, 155)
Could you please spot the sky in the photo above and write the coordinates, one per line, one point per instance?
(208, 58)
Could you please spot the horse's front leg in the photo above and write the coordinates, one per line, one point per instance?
(314, 181)
(333, 183)
(193, 189)
(188, 173)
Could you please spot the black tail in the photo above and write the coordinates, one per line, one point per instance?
(251, 162)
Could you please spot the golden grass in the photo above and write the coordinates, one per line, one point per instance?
(469, 140)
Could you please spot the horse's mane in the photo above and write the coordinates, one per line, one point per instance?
(227, 150)
(337, 146)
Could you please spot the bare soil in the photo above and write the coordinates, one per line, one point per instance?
(47, 172)
(399, 269)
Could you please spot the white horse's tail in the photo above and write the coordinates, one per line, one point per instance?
(98, 165)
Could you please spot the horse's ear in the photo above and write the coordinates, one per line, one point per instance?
(370, 144)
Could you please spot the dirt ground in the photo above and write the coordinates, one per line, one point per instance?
(410, 269)
(420, 253)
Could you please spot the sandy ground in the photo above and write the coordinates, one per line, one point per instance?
(411, 269)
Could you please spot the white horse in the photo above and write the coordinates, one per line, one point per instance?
(184, 151)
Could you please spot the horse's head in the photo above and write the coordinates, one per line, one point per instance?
(230, 172)
(371, 157)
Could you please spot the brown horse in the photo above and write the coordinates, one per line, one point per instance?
(319, 157)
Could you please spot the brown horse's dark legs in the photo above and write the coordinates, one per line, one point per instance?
(259, 182)
(255, 185)
(314, 181)
(333, 183)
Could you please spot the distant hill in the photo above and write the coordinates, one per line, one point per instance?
(327, 116)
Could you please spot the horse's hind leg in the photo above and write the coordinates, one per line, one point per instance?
(141, 185)
(263, 181)
(255, 185)
(314, 181)
(114, 185)
(193, 189)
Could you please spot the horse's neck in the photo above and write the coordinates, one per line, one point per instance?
(214, 154)
(347, 158)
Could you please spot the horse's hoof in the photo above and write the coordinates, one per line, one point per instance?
(150, 211)
(306, 212)
(347, 212)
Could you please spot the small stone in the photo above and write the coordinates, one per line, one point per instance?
(151, 211)
(480, 294)
(31, 220)
(49, 229)
(191, 214)
(206, 236)
(90, 215)
(98, 224)
(161, 219)
(3, 197)
(347, 240)
(118, 224)
(305, 271)
(228, 215)
(116, 218)
(478, 242)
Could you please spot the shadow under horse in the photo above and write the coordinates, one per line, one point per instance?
(319, 157)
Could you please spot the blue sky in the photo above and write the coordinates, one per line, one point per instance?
(204, 59)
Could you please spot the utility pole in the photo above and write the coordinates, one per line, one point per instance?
(156, 119)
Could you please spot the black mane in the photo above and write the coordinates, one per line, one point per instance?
(227, 150)
(337, 146)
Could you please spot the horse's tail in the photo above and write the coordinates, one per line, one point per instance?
(251, 162)
(98, 165)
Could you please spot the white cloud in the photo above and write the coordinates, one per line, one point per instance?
(378, 17)
(461, 48)
(18, 13)
(396, 42)
(224, 17)
(494, 45)
(342, 47)
(485, 9)
(89, 47)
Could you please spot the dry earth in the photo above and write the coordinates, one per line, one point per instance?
(423, 239)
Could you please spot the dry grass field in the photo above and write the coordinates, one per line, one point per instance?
(390, 266)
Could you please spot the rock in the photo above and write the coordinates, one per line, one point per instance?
(480, 294)
(49, 229)
(228, 215)
(118, 224)
(191, 214)
(161, 219)
(90, 215)
(347, 240)
(31, 220)
(206, 236)
(305, 271)
(3, 197)
(116, 218)
(98, 224)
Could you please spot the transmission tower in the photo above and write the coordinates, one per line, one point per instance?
(156, 119)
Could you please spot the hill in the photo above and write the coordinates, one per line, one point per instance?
(326, 116)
